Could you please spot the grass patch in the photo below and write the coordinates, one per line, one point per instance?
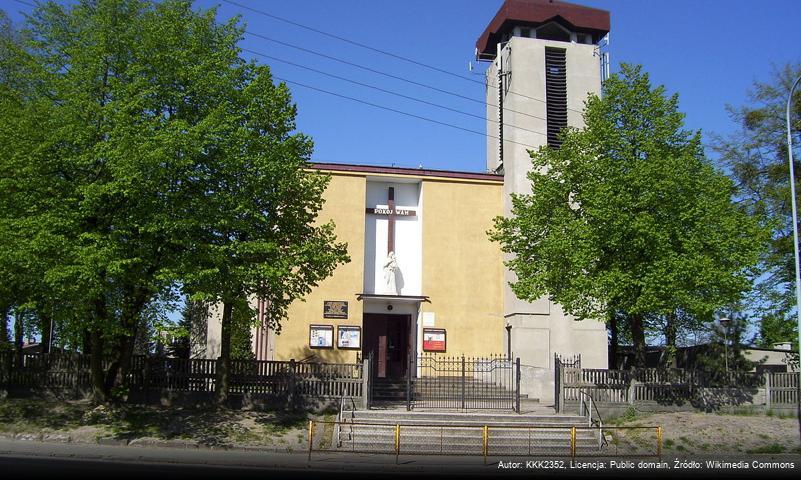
(21, 415)
(629, 416)
(773, 448)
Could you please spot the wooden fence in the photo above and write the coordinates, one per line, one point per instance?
(281, 379)
(677, 386)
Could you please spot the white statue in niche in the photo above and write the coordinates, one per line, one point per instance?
(390, 267)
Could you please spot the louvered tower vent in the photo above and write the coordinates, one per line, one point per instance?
(555, 93)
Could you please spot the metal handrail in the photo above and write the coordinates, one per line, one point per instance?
(341, 418)
(584, 399)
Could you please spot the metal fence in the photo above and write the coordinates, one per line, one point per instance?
(464, 383)
(482, 440)
(256, 377)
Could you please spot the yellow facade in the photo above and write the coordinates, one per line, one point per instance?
(462, 271)
(344, 204)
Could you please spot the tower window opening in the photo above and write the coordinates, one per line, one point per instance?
(553, 31)
(555, 94)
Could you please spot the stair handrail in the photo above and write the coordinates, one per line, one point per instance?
(587, 402)
(341, 418)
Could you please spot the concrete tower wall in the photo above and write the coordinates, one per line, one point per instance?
(541, 328)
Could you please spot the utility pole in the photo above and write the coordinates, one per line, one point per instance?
(795, 240)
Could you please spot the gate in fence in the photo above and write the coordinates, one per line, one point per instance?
(436, 381)
(563, 367)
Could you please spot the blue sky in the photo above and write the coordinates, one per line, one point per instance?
(710, 52)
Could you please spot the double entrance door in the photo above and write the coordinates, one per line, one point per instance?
(387, 337)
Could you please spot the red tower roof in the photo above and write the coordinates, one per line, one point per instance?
(537, 12)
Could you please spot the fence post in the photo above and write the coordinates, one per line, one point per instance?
(463, 380)
(561, 387)
(366, 383)
(397, 442)
(659, 442)
(409, 385)
(768, 385)
(486, 443)
(573, 442)
(292, 384)
(311, 437)
(517, 385)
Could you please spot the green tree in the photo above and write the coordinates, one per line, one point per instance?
(629, 217)
(257, 226)
(756, 157)
(140, 152)
(724, 351)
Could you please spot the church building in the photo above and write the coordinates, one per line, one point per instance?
(424, 278)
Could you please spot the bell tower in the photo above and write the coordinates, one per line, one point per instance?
(545, 57)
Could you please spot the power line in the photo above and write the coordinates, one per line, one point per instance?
(375, 105)
(390, 92)
(385, 74)
(419, 117)
(353, 42)
(377, 50)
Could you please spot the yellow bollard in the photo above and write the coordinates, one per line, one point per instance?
(573, 442)
(659, 442)
(486, 442)
(397, 442)
(311, 437)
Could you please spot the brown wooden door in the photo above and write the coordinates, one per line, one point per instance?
(375, 341)
(387, 338)
(397, 345)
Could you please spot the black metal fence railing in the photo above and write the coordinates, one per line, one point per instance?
(436, 381)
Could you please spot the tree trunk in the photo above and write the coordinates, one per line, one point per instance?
(96, 368)
(117, 375)
(671, 332)
(45, 326)
(638, 336)
(18, 337)
(224, 362)
(4, 326)
(613, 340)
(96, 359)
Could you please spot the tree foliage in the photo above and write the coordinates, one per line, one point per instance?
(756, 157)
(141, 153)
(628, 216)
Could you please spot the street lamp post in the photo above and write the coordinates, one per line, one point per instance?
(795, 236)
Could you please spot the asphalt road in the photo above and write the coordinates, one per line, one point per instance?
(28, 459)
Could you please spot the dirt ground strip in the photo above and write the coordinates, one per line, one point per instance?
(78, 421)
(708, 433)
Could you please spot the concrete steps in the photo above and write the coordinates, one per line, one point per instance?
(442, 388)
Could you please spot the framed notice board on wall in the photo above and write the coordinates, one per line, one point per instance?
(349, 337)
(321, 336)
(434, 340)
